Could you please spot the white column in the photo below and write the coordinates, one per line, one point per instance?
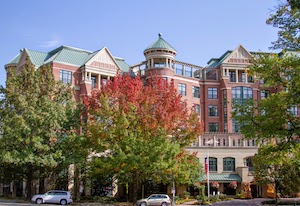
(90, 76)
(192, 72)
(207, 173)
(246, 76)
(215, 140)
(99, 81)
(236, 76)
(82, 76)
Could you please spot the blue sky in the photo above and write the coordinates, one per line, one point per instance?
(197, 29)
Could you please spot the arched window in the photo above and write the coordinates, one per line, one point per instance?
(239, 96)
(248, 162)
(213, 164)
(229, 164)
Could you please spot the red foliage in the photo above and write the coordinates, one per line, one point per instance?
(157, 103)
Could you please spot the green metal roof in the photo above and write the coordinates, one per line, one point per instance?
(36, 58)
(122, 64)
(15, 60)
(65, 55)
(214, 62)
(222, 178)
(160, 43)
(69, 55)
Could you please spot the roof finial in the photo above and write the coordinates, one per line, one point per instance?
(159, 34)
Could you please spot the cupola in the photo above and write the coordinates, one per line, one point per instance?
(159, 54)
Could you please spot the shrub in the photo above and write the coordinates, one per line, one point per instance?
(214, 198)
(222, 196)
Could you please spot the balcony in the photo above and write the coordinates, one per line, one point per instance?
(224, 140)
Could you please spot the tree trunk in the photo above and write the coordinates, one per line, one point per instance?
(135, 185)
(42, 185)
(29, 182)
(76, 183)
(14, 189)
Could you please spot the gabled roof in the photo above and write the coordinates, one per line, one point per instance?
(37, 58)
(69, 55)
(160, 43)
(64, 55)
(214, 62)
(121, 62)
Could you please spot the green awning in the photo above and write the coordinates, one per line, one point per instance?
(222, 178)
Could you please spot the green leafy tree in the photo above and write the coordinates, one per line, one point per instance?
(139, 132)
(279, 167)
(275, 120)
(37, 114)
(287, 19)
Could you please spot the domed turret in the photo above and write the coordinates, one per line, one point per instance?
(160, 57)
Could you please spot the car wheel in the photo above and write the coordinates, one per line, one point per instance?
(164, 204)
(143, 204)
(39, 201)
(63, 202)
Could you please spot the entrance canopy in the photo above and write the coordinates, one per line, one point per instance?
(222, 178)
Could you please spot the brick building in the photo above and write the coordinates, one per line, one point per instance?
(211, 90)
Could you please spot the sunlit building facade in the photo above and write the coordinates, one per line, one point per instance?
(211, 90)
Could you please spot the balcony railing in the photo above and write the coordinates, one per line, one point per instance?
(222, 140)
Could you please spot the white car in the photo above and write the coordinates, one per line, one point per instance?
(53, 196)
(155, 199)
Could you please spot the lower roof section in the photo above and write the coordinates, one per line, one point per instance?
(222, 178)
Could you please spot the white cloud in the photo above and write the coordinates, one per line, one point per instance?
(54, 42)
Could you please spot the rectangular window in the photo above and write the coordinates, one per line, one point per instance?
(232, 76)
(93, 82)
(179, 69)
(243, 77)
(188, 71)
(229, 164)
(212, 93)
(196, 92)
(264, 94)
(197, 108)
(182, 89)
(212, 111)
(235, 126)
(65, 76)
(293, 110)
(213, 127)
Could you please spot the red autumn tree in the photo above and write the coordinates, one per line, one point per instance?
(143, 128)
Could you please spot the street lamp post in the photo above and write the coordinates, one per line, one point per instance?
(173, 191)
(209, 142)
(207, 172)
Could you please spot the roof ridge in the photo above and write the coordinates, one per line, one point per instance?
(68, 47)
(77, 49)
